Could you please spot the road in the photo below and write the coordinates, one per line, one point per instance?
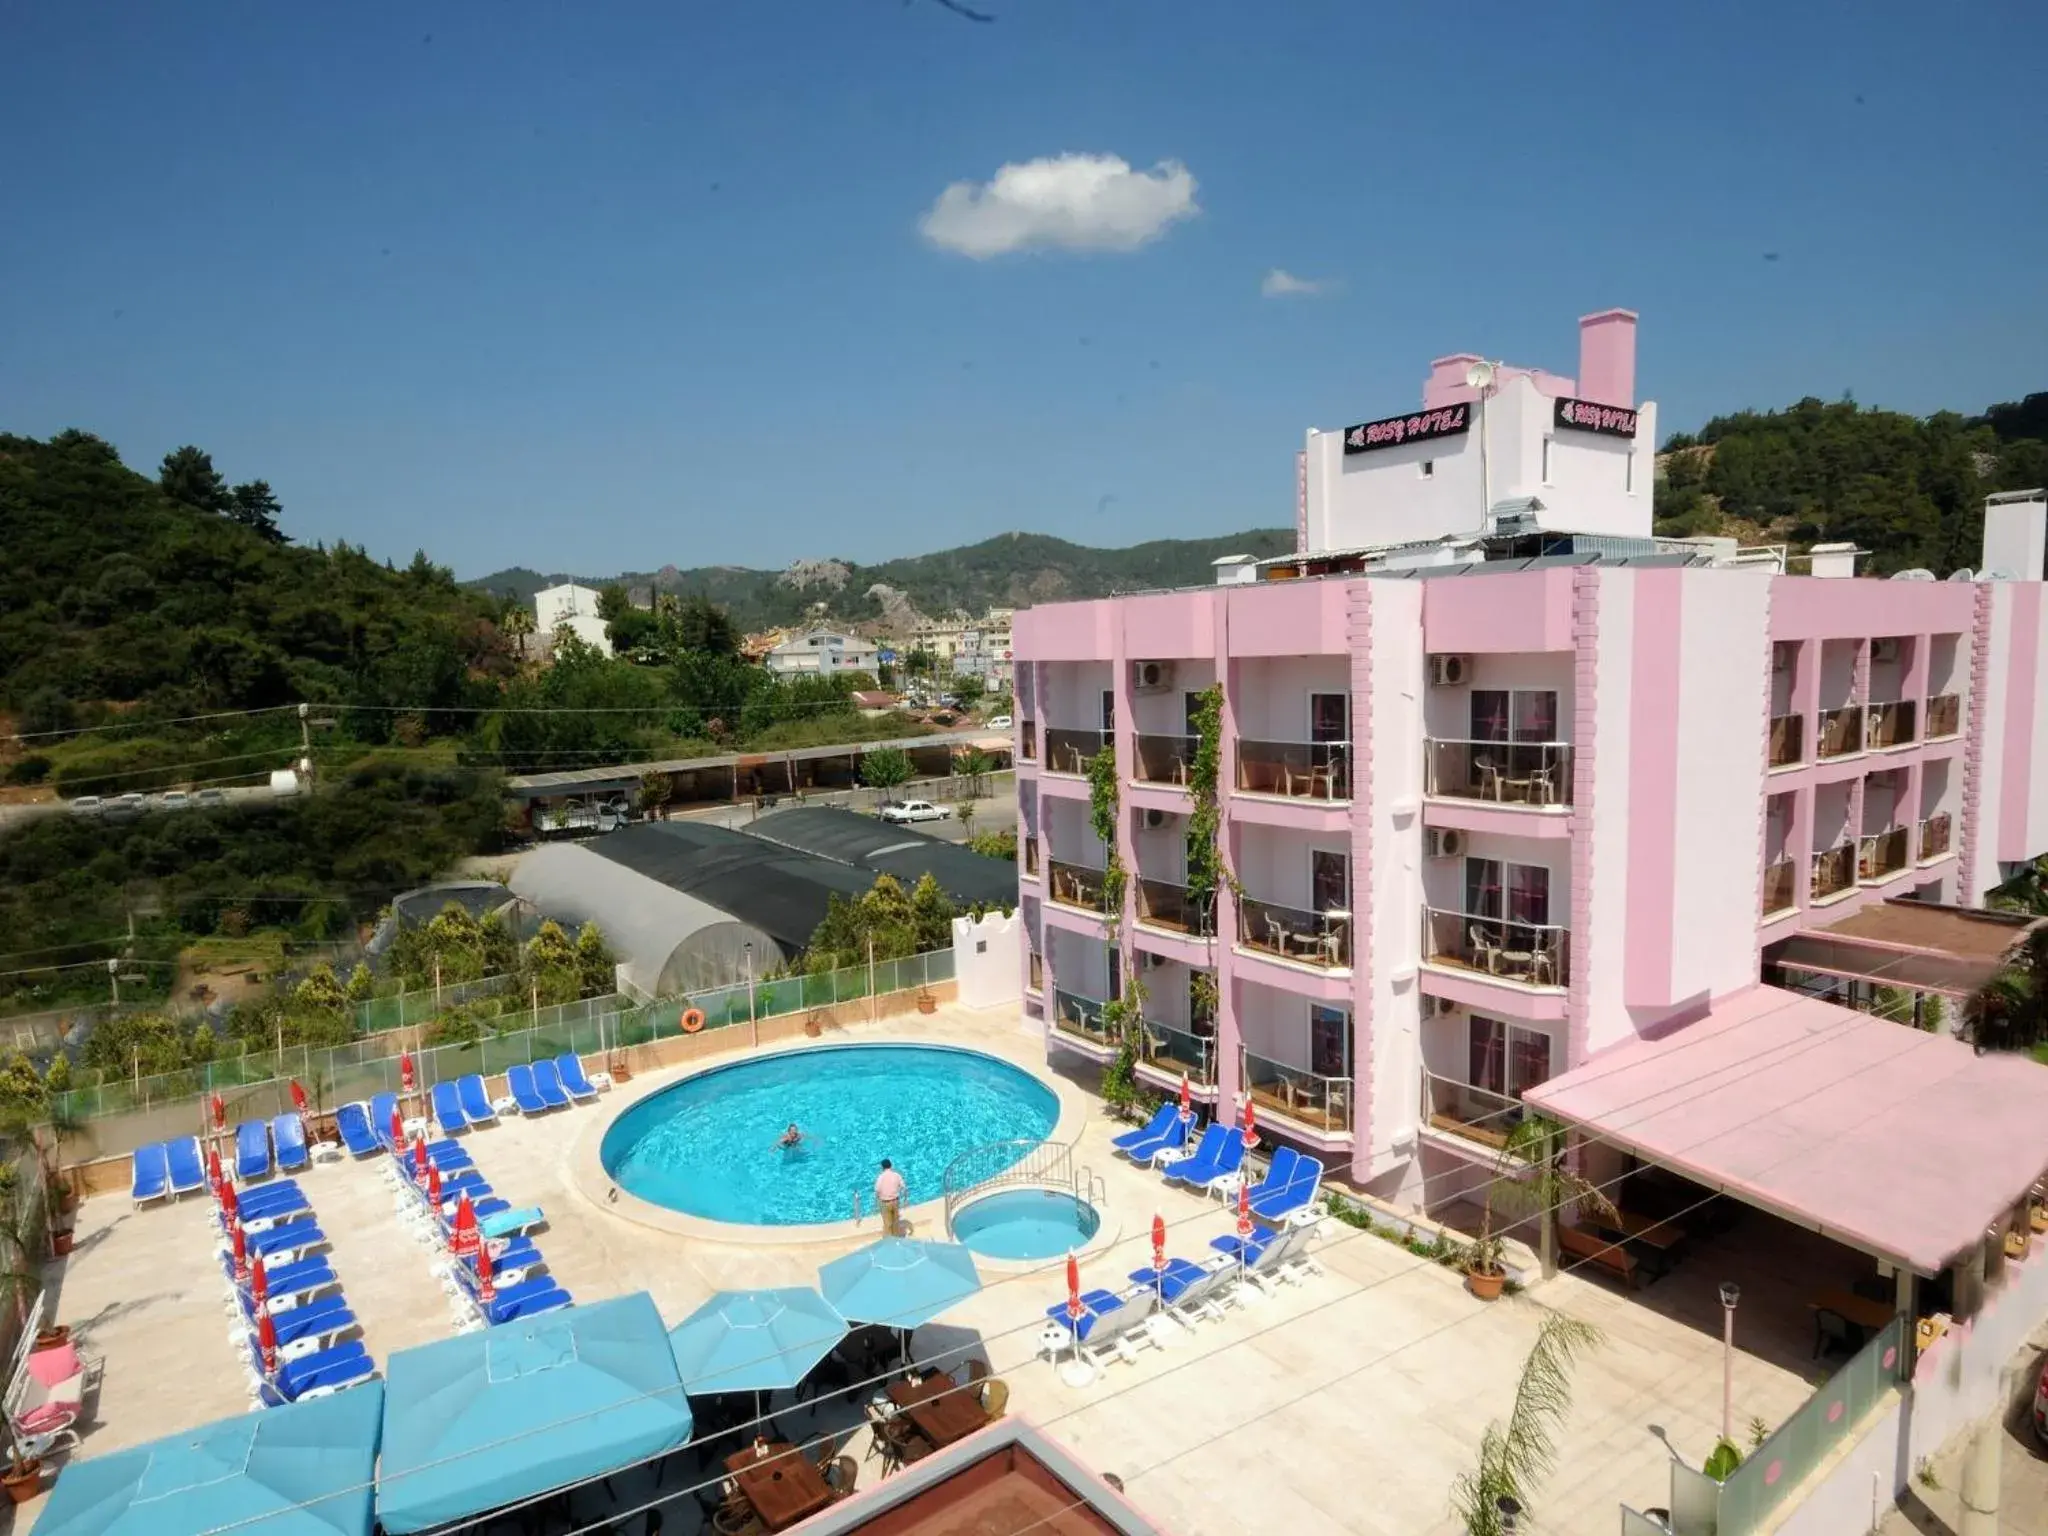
(1933, 1505)
(20, 814)
(989, 814)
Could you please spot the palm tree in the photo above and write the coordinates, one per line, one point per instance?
(2010, 1011)
(1514, 1457)
(1529, 1179)
(519, 624)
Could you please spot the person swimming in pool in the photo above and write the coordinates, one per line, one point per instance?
(791, 1139)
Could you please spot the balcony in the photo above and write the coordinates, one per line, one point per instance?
(1533, 954)
(1164, 759)
(1173, 1052)
(1934, 837)
(1294, 1093)
(1500, 772)
(1321, 939)
(1781, 888)
(1841, 731)
(1297, 770)
(1163, 904)
(1834, 871)
(1472, 1114)
(1944, 716)
(1068, 751)
(1788, 740)
(1029, 751)
(1077, 885)
(1031, 856)
(1081, 1018)
(1892, 724)
(1883, 855)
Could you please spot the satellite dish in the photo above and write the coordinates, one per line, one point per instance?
(1480, 376)
(1918, 573)
(1965, 574)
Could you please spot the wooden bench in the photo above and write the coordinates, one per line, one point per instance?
(1582, 1243)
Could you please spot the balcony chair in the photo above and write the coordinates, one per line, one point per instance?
(1486, 954)
(1487, 774)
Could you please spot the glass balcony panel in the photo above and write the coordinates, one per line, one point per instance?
(1934, 835)
(1882, 854)
(1834, 871)
(1030, 747)
(1164, 760)
(1476, 1114)
(1068, 751)
(1175, 1051)
(1944, 715)
(1892, 725)
(1781, 887)
(1313, 938)
(1163, 904)
(1788, 740)
(1079, 1016)
(1076, 885)
(1537, 954)
(1297, 1094)
(1500, 772)
(1841, 731)
(1298, 770)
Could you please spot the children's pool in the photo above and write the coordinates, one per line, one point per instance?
(1026, 1224)
(707, 1147)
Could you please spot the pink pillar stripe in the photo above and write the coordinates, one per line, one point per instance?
(1968, 890)
(1653, 788)
(1358, 634)
(1585, 761)
(2021, 699)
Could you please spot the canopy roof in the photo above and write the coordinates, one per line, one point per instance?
(486, 1419)
(847, 837)
(1904, 1144)
(1917, 944)
(303, 1469)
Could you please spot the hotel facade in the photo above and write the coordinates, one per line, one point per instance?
(1506, 781)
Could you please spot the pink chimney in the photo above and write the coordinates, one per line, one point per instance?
(1607, 357)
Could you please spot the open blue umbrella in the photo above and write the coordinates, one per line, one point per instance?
(755, 1341)
(302, 1469)
(900, 1282)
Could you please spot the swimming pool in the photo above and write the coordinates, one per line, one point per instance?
(1025, 1224)
(708, 1146)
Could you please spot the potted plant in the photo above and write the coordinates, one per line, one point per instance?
(1529, 1178)
(927, 1002)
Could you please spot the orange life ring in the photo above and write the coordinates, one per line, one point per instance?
(693, 1020)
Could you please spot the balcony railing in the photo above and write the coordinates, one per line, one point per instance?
(1476, 1114)
(1031, 855)
(1781, 887)
(1841, 731)
(1944, 715)
(1313, 938)
(1080, 1017)
(1029, 751)
(1076, 885)
(1163, 904)
(1536, 954)
(1885, 853)
(1170, 1049)
(1297, 1094)
(1503, 772)
(1068, 751)
(1164, 759)
(1300, 770)
(1934, 836)
(1892, 724)
(1788, 740)
(1834, 871)
(1035, 977)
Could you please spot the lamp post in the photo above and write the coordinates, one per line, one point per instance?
(1731, 1293)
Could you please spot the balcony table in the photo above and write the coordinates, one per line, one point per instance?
(942, 1409)
(1847, 1305)
(783, 1486)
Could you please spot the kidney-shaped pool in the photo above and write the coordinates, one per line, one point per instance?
(708, 1146)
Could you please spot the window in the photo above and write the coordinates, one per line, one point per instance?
(1329, 717)
(1514, 714)
(1329, 881)
(1506, 1058)
(1109, 709)
(1519, 893)
(1545, 477)
(1429, 469)
(1329, 1041)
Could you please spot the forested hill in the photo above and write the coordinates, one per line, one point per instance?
(1012, 570)
(1908, 489)
(183, 592)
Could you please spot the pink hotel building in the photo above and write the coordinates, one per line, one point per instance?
(1505, 780)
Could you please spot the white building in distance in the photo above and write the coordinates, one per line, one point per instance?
(574, 606)
(822, 653)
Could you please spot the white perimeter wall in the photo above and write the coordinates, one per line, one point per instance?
(988, 960)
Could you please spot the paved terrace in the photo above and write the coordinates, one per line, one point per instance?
(1345, 1404)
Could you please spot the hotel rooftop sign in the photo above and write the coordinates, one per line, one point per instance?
(1586, 416)
(1369, 436)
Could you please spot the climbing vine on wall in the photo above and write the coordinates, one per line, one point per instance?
(1120, 1014)
(1207, 871)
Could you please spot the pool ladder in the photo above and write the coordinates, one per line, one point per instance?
(1090, 1186)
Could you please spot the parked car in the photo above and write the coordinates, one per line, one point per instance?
(914, 810)
(2041, 1407)
(175, 800)
(211, 798)
(124, 807)
(88, 805)
(999, 722)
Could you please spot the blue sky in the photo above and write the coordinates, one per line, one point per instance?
(612, 285)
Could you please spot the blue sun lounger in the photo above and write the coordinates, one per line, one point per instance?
(1163, 1118)
(252, 1151)
(326, 1319)
(519, 1082)
(151, 1179)
(1212, 1172)
(289, 1133)
(476, 1104)
(188, 1173)
(528, 1299)
(448, 1113)
(381, 1105)
(1297, 1195)
(276, 1192)
(353, 1122)
(549, 1082)
(305, 1277)
(334, 1367)
(570, 1066)
(502, 1221)
(1279, 1176)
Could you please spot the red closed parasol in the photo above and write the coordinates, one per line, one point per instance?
(1187, 1099)
(220, 1115)
(466, 1238)
(230, 1202)
(405, 1072)
(1158, 1242)
(1251, 1130)
(213, 1170)
(1074, 1307)
(434, 1187)
(419, 1159)
(259, 1284)
(1244, 1210)
(484, 1289)
(266, 1335)
(241, 1248)
(397, 1129)
(298, 1097)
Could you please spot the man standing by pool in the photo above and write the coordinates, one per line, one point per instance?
(889, 1196)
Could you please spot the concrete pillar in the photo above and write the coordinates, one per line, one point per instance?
(1981, 1470)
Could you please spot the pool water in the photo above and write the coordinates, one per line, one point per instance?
(1025, 1224)
(708, 1146)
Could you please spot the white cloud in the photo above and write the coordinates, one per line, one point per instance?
(1064, 202)
(1282, 284)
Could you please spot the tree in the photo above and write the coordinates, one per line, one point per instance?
(704, 628)
(885, 768)
(1530, 1178)
(965, 815)
(1514, 1457)
(518, 622)
(895, 923)
(188, 475)
(932, 911)
(596, 966)
(968, 689)
(2010, 1011)
(552, 969)
(974, 765)
(257, 508)
(362, 986)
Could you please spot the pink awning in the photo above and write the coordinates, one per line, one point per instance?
(1904, 1144)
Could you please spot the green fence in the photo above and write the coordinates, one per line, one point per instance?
(402, 1010)
(256, 1083)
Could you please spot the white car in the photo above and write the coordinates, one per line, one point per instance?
(999, 723)
(914, 810)
(175, 800)
(88, 805)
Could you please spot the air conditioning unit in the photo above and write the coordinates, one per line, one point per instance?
(1148, 961)
(1449, 671)
(1443, 842)
(1441, 1005)
(1154, 676)
(1886, 650)
(1155, 819)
